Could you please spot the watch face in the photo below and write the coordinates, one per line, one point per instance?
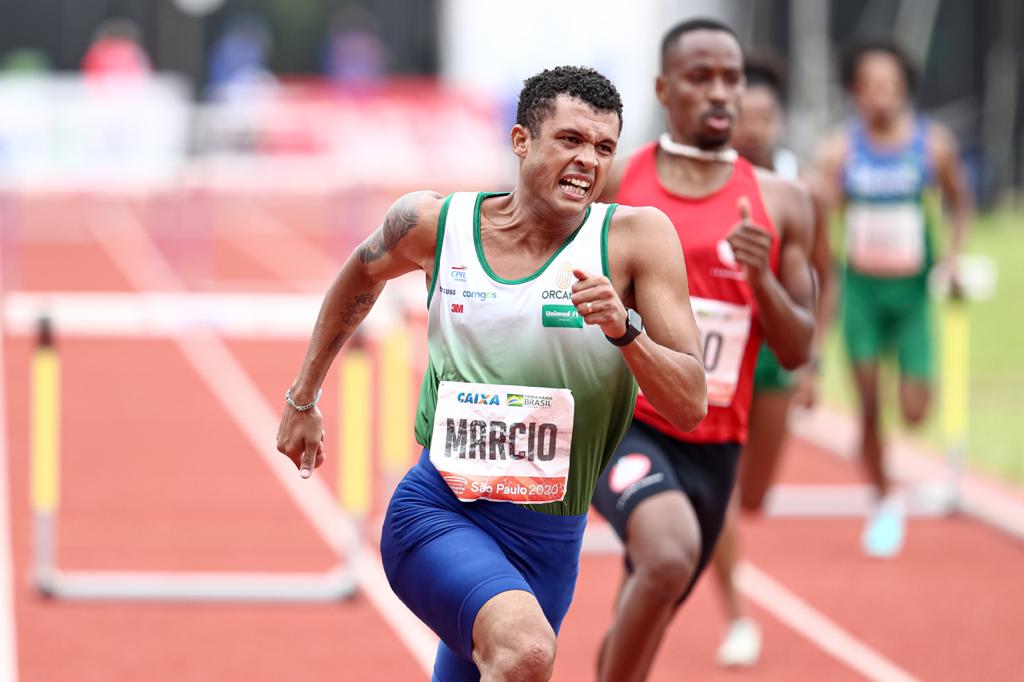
(633, 320)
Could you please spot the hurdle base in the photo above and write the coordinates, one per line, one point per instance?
(334, 585)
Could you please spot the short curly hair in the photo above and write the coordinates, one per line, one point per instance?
(537, 98)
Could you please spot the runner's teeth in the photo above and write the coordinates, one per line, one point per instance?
(579, 187)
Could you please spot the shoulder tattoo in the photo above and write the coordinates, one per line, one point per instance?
(400, 219)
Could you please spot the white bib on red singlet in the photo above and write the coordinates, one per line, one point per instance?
(503, 443)
(885, 239)
(724, 329)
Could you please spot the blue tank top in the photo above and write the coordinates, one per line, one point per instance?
(886, 174)
(885, 220)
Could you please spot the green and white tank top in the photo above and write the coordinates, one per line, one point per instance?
(526, 332)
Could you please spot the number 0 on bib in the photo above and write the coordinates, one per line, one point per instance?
(502, 443)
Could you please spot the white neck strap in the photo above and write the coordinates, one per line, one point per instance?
(720, 155)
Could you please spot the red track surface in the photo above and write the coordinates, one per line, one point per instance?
(156, 476)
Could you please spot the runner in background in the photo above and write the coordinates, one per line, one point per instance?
(758, 132)
(116, 53)
(879, 170)
(746, 235)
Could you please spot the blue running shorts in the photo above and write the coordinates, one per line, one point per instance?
(445, 559)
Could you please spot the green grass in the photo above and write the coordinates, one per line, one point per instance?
(995, 422)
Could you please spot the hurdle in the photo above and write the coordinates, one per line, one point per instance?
(335, 584)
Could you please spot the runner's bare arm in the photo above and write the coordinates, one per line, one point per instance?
(785, 303)
(829, 168)
(405, 241)
(826, 294)
(944, 152)
(647, 265)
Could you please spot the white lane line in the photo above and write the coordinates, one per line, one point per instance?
(318, 266)
(814, 626)
(8, 633)
(132, 250)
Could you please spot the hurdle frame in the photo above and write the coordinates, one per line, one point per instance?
(335, 584)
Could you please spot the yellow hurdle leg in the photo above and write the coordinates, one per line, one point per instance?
(354, 424)
(955, 369)
(395, 401)
(45, 431)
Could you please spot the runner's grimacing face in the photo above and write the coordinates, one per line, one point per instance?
(567, 162)
(879, 88)
(700, 84)
(758, 125)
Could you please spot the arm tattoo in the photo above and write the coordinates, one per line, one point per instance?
(354, 312)
(400, 219)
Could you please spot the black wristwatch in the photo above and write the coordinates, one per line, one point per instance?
(634, 326)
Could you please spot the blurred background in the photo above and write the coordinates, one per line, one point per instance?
(181, 179)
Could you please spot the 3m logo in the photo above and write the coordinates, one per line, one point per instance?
(458, 308)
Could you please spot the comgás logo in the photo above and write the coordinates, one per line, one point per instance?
(478, 398)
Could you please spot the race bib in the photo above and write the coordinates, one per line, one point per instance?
(724, 330)
(502, 443)
(885, 239)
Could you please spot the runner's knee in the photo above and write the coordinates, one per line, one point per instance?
(915, 403)
(668, 570)
(752, 498)
(526, 656)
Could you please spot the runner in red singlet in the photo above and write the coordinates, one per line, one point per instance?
(746, 235)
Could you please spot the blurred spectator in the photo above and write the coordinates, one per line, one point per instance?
(354, 54)
(25, 61)
(238, 60)
(116, 52)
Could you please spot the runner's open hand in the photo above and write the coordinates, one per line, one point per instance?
(598, 303)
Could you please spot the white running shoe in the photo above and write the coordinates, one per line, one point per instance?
(741, 646)
(885, 529)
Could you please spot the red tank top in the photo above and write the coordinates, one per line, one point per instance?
(723, 304)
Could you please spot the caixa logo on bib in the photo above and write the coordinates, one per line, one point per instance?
(478, 398)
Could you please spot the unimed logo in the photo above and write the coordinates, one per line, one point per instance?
(458, 308)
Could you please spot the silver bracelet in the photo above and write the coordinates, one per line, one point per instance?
(302, 408)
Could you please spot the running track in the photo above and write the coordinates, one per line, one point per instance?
(161, 470)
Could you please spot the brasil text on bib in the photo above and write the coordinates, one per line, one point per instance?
(502, 443)
(724, 329)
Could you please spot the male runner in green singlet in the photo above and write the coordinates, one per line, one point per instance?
(878, 170)
(535, 300)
